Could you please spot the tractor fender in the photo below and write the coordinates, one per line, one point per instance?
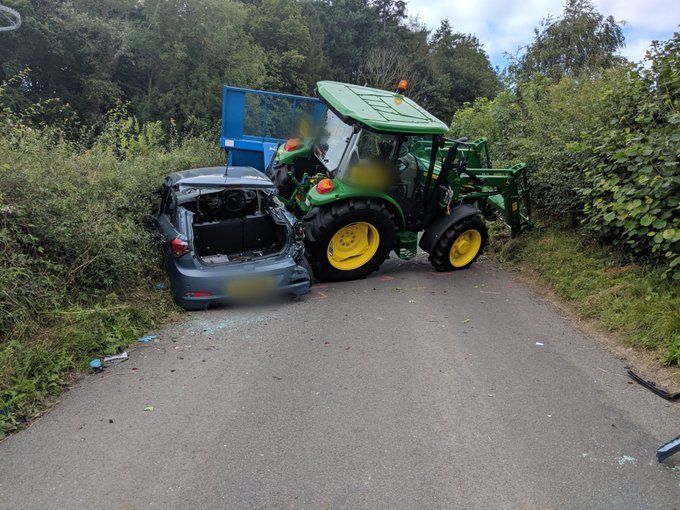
(344, 192)
(443, 223)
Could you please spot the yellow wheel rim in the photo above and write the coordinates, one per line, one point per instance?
(465, 248)
(353, 246)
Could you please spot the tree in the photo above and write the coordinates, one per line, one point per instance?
(279, 27)
(581, 42)
(350, 29)
(180, 56)
(70, 53)
(383, 68)
(461, 71)
(390, 12)
(167, 59)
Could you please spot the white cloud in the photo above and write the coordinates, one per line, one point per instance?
(504, 25)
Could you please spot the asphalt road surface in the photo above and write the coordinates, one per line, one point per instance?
(405, 390)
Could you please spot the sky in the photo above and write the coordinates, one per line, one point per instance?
(504, 25)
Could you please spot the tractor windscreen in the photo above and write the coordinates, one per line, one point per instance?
(371, 163)
(332, 141)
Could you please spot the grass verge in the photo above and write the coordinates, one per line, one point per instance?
(634, 300)
(80, 256)
(37, 368)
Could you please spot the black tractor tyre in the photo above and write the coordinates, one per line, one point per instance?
(323, 224)
(439, 257)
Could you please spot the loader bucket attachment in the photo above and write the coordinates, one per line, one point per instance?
(504, 192)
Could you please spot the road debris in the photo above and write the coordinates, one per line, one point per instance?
(123, 356)
(465, 321)
(146, 339)
(666, 450)
(626, 459)
(539, 343)
(652, 386)
(150, 408)
(99, 364)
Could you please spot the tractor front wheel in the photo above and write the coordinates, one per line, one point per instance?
(349, 240)
(460, 245)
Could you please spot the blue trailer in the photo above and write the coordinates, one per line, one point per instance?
(255, 122)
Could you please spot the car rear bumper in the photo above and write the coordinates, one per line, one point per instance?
(286, 276)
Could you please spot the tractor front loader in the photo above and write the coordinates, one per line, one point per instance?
(374, 173)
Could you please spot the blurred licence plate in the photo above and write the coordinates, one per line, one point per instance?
(249, 287)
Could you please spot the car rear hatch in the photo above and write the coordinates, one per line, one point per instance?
(234, 218)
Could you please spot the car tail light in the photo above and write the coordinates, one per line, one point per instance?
(179, 247)
(324, 186)
(198, 293)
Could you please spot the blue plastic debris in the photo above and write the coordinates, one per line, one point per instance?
(147, 338)
(160, 286)
(96, 363)
(668, 449)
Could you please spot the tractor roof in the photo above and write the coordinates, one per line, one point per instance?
(379, 109)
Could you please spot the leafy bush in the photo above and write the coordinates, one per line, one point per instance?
(602, 152)
(632, 181)
(537, 124)
(75, 222)
(79, 256)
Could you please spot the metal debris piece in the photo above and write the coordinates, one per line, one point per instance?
(668, 449)
(651, 385)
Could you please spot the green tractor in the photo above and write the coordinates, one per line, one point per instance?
(377, 171)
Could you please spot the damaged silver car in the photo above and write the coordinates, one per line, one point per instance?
(227, 238)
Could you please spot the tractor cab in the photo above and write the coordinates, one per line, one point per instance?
(379, 135)
(361, 157)
(373, 172)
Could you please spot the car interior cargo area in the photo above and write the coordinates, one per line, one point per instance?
(234, 226)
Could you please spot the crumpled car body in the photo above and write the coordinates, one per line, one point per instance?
(226, 238)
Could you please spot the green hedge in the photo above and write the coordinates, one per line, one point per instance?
(602, 153)
(631, 189)
(79, 259)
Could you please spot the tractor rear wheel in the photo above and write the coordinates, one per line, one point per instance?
(349, 240)
(460, 245)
